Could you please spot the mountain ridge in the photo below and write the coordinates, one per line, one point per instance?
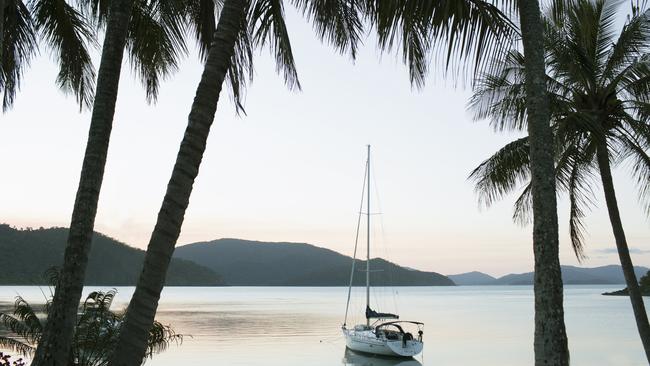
(28, 253)
(611, 274)
(249, 263)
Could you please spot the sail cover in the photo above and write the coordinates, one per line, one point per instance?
(371, 314)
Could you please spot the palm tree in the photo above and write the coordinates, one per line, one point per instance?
(598, 90)
(61, 28)
(261, 22)
(477, 28)
(228, 53)
(550, 342)
(97, 328)
(153, 41)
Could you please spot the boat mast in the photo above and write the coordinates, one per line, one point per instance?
(368, 244)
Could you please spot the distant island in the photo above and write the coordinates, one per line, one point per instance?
(254, 263)
(571, 275)
(644, 286)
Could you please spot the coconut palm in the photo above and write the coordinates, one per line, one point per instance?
(228, 54)
(243, 25)
(598, 82)
(97, 328)
(483, 31)
(152, 39)
(60, 27)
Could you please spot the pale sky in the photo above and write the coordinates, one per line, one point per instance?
(292, 168)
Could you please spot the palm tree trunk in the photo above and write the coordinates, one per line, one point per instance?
(132, 344)
(638, 306)
(551, 346)
(54, 346)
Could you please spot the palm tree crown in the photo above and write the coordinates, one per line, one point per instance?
(598, 87)
(63, 29)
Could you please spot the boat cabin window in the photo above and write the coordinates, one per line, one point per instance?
(361, 327)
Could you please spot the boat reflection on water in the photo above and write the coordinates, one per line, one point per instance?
(352, 358)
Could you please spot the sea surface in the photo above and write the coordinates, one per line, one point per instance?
(292, 326)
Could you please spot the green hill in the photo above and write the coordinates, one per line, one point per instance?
(27, 254)
(251, 263)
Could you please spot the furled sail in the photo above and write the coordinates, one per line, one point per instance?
(371, 314)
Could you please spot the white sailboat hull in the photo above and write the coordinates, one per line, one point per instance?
(366, 341)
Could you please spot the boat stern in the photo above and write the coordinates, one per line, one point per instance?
(406, 349)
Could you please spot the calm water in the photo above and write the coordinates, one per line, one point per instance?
(301, 326)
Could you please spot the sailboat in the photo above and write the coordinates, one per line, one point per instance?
(386, 335)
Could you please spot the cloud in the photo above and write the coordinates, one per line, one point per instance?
(614, 251)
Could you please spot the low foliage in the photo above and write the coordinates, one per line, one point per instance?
(96, 332)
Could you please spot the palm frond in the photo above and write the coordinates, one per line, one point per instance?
(24, 322)
(16, 326)
(463, 30)
(503, 172)
(634, 80)
(99, 301)
(500, 96)
(96, 11)
(67, 32)
(640, 167)
(641, 110)
(241, 67)
(633, 40)
(605, 31)
(638, 131)
(202, 20)
(572, 56)
(52, 275)
(580, 201)
(97, 329)
(17, 345)
(338, 22)
(19, 45)
(576, 122)
(155, 42)
(24, 311)
(269, 28)
(523, 210)
(172, 15)
(161, 337)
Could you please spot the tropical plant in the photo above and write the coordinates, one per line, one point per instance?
(598, 83)
(243, 25)
(63, 29)
(97, 328)
(151, 33)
